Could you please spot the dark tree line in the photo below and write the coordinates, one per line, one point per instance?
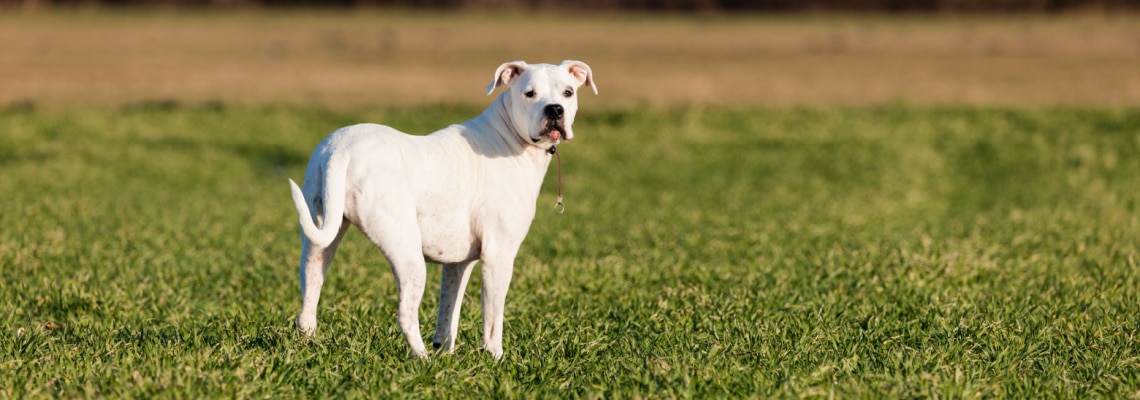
(967, 6)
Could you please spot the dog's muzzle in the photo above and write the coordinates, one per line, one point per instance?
(553, 124)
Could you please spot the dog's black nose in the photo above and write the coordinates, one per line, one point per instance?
(554, 111)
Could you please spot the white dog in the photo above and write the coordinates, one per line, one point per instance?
(464, 193)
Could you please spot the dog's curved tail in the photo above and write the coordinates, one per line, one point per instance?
(334, 179)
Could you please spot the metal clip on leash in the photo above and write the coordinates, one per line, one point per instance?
(559, 207)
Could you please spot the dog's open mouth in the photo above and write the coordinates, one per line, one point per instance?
(553, 130)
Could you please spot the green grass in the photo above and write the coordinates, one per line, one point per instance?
(896, 251)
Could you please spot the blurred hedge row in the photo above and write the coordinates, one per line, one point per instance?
(664, 5)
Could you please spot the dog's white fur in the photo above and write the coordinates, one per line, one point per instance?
(461, 194)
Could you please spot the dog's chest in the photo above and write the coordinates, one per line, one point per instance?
(448, 237)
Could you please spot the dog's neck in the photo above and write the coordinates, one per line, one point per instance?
(498, 116)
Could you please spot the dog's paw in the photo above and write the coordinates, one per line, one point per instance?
(307, 326)
(446, 347)
(497, 354)
(419, 355)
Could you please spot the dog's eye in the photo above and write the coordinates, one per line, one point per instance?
(568, 93)
(529, 93)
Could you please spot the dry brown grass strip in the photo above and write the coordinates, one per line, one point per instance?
(369, 58)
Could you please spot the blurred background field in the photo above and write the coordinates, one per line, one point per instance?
(377, 57)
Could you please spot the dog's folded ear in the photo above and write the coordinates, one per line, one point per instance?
(505, 74)
(581, 72)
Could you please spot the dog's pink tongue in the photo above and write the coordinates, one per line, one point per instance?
(554, 135)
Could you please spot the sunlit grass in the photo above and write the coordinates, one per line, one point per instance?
(895, 252)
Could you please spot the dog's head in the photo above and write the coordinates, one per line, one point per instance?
(542, 98)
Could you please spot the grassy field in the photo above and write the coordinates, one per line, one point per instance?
(757, 206)
(899, 251)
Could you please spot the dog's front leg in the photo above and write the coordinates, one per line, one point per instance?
(453, 284)
(496, 280)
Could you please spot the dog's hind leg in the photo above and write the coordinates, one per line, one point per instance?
(453, 283)
(397, 235)
(315, 263)
(411, 277)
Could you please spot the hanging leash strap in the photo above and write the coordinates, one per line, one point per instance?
(559, 207)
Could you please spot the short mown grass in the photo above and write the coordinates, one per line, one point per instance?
(881, 252)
